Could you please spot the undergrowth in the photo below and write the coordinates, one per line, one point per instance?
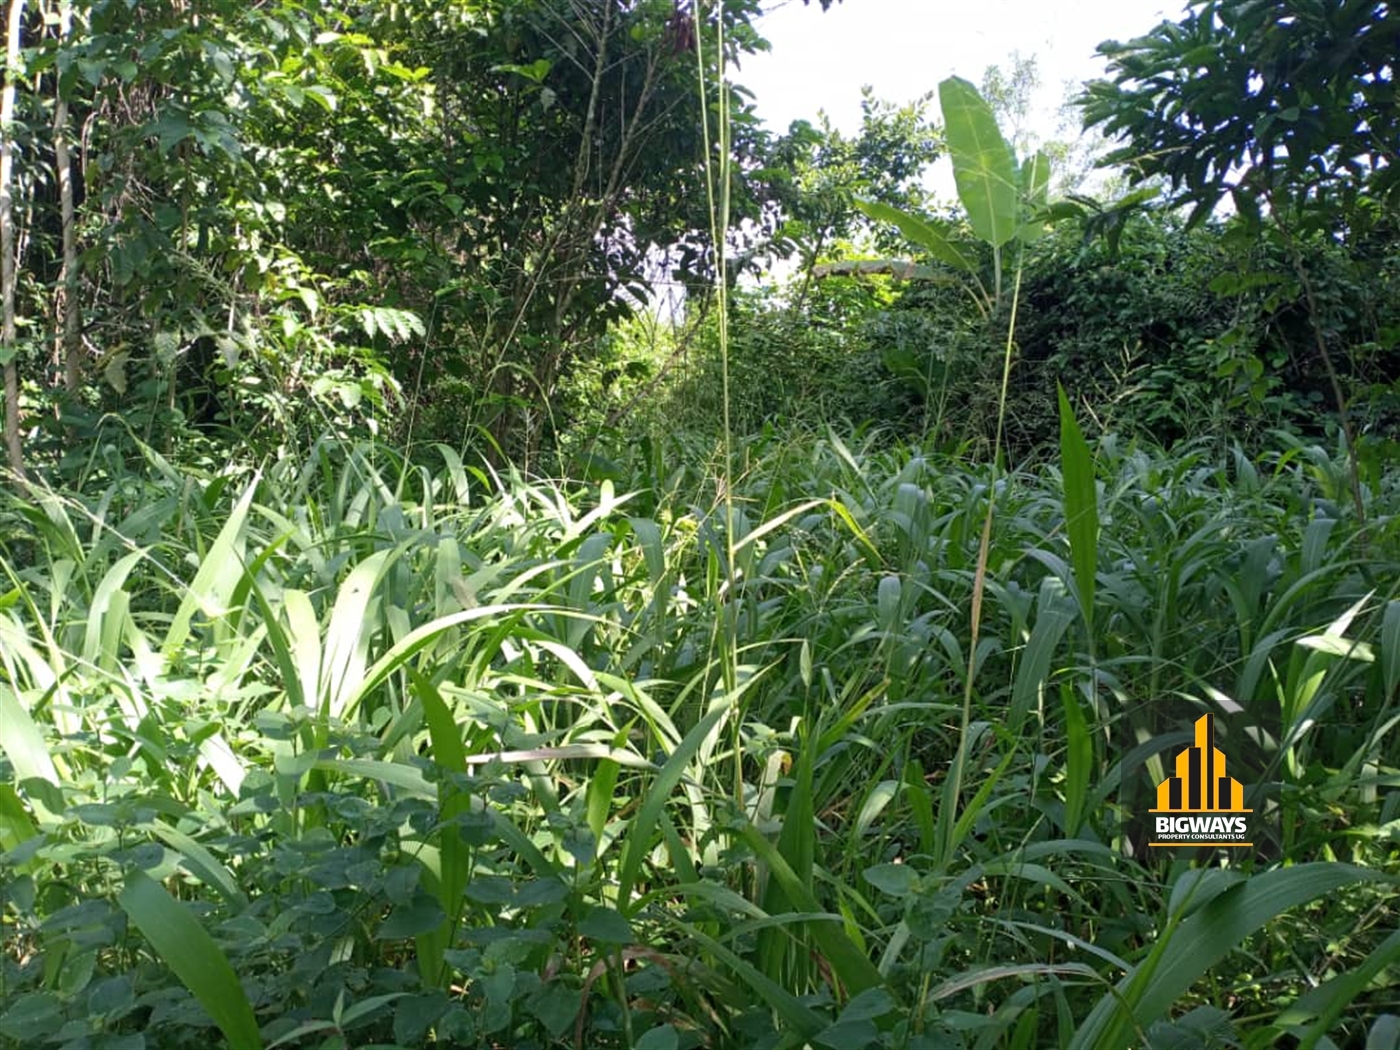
(364, 752)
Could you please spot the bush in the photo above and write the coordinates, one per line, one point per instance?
(798, 358)
(1164, 333)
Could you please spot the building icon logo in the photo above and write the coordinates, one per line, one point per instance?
(1201, 805)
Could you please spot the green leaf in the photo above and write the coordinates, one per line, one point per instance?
(22, 741)
(409, 645)
(664, 1037)
(343, 659)
(638, 836)
(898, 880)
(189, 951)
(414, 1014)
(1035, 189)
(112, 997)
(606, 926)
(1390, 647)
(15, 825)
(1081, 509)
(1205, 937)
(536, 71)
(795, 1013)
(322, 96)
(797, 847)
(1384, 1033)
(200, 863)
(454, 852)
(418, 918)
(972, 978)
(924, 234)
(99, 639)
(887, 602)
(848, 961)
(556, 1006)
(1327, 1001)
(220, 570)
(1054, 614)
(600, 795)
(983, 165)
(303, 645)
(868, 1005)
(844, 1034)
(1079, 760)
(32, 1018)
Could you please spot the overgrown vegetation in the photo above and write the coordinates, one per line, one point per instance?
(433, 750)
(410, 638)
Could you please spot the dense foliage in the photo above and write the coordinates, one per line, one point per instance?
(1296, 109)
(414, 634)
(432, 752)
(291, 217)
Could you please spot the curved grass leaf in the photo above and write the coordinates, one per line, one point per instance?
(220, 570)
(22, 741)
(925, 234)
(343, 657)
(1079, 760)
(638, 835)
(1202, 940)
(800, 1017)
(200, 863)
(455, 863)
(1054, 614)
(102, 629)
(184, 946)
(411, 644)
(851, 965)
(15, 825)
(972, 978)
(797, 846)
(1390, 647)
(1081, 508)
(1327, 1001)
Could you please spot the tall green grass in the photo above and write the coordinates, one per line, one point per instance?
(436, 756)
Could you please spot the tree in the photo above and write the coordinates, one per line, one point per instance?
(1291, 103)
(9, 264)
(821, 173)
(158, 266)
(563, 175)
(270, 196)
(1289, 108)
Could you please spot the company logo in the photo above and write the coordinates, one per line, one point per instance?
(1200, 806)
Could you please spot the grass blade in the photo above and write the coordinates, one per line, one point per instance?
(455, 853)
(343, 658)
(1081, 509)
(1079, 760)
(1202, 940)
(1328, 1000)
(851, 966)
(638, 834)
(1054, 614)
(22, 741)
(184, 946)
(220, 570)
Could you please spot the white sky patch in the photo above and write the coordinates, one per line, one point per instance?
(903, 48)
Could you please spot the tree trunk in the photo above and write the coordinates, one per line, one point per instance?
(8, 348)
(70, 344)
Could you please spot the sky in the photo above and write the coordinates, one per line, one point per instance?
(903, 48)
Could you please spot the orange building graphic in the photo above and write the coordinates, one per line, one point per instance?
(1201, 786)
